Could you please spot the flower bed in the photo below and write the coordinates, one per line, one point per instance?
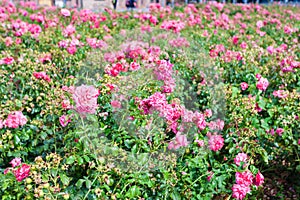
(195, 102)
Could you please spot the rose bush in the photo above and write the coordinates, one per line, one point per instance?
(195, 102)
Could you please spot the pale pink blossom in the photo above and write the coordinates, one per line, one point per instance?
(241, 157)
(116, 104)
(180, 141)
(85, 98)
(65, 12)
(16, 162)
(15, 119)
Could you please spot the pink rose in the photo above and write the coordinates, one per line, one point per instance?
(240, 191)
(241, 157)
(15, 119)
(216, 142)
(16, 162)
(262, 84)
(244, 86)
(244, 178)
(72, 50)
(270, 49)
(65, 12)
(115, 104)
(8, 60)
(259, 179)
(64, 120)
(22, 172)
(279, 131)
(259, 24)
(85, 98)
(180, 141)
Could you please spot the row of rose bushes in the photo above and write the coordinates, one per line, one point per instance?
(95, 105)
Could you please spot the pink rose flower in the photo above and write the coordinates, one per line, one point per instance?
(64, 120)
(259, 179)
(15, 119)
(243, 45)
(240, 191)
(244, 86)
(72, 50)
(215, 142)
(200, 143)
(8, 60)
(16, 162)
(244, 178)
(180, 141)
(262, 84)
(279, 131)
(65, 12)
(22, 172)
(270, 49)
(241, 157)
(85, 98)
(116, 104)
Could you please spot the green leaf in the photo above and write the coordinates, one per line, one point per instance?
(79, 183)
(88, 184)
(70, 160)
(134, 191)
(64, 179)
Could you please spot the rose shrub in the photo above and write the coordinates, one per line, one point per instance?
(195, 102)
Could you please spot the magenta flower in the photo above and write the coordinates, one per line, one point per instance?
(244, 86)
(16, 162)
(259, 179)
(22, 172)
(244, 178)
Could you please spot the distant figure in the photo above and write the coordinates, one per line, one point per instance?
(130, 4)
(115, 4)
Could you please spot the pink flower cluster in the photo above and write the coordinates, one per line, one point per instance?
(21, 172)
(262, 83)
(164, 72)
(85, 97)
(116, 68)
(14, 120)
(42, 75)
(215, 142)
(180, 141)
(95, 43)
(175, 25)
(179, 42)
(244, 179)
(281, 93)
